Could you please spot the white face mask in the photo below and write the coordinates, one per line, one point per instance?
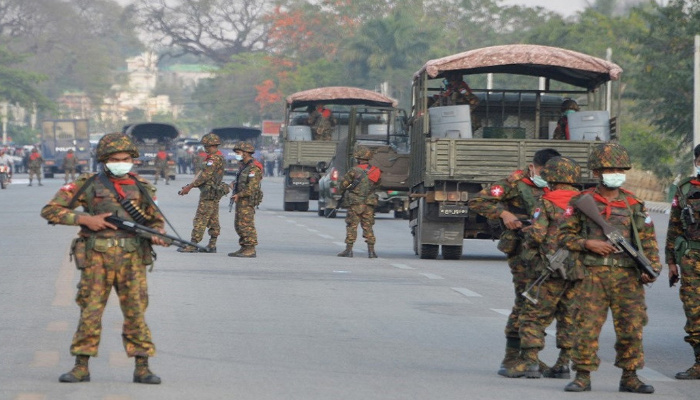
(238, 157)
(697, 169)
(539, 182)
(119, 168)
(613, 181)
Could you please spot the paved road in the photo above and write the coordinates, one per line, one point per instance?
(295, 323)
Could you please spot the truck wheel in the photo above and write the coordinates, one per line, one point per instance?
(328, 213)
(429, 251)
(451, 252)
(302, 206)
(288, 206)
(399, 214)
(321, 212)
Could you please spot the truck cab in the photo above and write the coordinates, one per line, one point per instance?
(149, 138)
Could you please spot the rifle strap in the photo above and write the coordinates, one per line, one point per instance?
(637, 240)
(86, 185)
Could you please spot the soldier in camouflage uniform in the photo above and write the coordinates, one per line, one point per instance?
(208, 180)
(612, 280)
(511, 201)
(35, 163)
(359, 186)
(322, 122)
(247, 194)
(161, 166)
(556, 295)
(683, 250)
(108, 257)
(69, 165)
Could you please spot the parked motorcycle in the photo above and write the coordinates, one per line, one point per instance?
(4, 176)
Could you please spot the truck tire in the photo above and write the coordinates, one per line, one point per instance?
(451, 252)
(321, 212)
(399, 214)
(288, 206)
(429, 251)
(328, 212)
(302, 206)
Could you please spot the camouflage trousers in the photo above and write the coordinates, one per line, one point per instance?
(556, 298)
(207, 216)
(621, 291)
(127, 274)
(245, 223)
(363, 215)
(518, 269)
(690, 296)
(71, 172)
(161, 172)
(34, 171)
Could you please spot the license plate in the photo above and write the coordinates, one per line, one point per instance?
(300, 183)
(453, 210)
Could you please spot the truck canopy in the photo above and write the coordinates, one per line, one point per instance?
(151, 130)
(559, 64)
(232, 133)
(343, 95)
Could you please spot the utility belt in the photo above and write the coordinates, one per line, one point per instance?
(682, 246)
(620, 261)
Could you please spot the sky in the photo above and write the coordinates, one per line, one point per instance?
(566, 8)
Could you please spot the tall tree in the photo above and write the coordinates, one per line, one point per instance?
(18, 86)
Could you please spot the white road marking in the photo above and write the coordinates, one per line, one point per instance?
(325, 236)
(341, 244)
(466, 292)
(312, 230)
(651, 375)
(431, 276)
(401, 266)
(502, 311)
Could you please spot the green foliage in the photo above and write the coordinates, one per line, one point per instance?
(18, 86)
(22, 135)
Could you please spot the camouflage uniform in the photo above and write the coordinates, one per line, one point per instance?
(322, 123)
(249, 195)
(611, 282)
(162, 167)
(109, 258)
(35, 163)
(684, 235)
(69, 165)
(561, 132)
(518, 195)
(207, 215)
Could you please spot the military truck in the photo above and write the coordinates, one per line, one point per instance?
(149, 138)
(384, 131)
(302, 154)
(230, 135)
(60, 135)
(457, 149)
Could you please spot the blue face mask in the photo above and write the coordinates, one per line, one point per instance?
(539, 182)
(613, 181)
(697, 170)
(238, 157)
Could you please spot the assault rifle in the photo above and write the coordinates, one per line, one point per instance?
(351, 186)
(555, 264)
(587, 205)
(145, 231)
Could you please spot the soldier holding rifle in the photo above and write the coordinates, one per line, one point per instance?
(612, 280)
(683, 258)
(556, 275)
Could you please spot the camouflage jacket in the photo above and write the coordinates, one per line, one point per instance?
(248, 181)
(576, 228)
(35, 160)
(70, 162)
(679, 222)
(516, 194)
(210, 176)
(99, 199)
(364, 192)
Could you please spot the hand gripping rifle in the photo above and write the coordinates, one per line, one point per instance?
(587, 205)
(555, 265)
(351, 186)
(147, 232)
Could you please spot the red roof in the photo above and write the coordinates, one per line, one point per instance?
(340, 95)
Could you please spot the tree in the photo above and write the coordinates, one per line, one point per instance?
(18, 86)
(216, 29)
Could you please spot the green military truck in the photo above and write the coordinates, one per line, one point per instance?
(456, 150)
(301, 153)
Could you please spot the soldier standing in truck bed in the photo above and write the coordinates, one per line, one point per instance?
(512, 200)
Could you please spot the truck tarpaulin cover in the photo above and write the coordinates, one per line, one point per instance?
(339, 95)
(562, 65)
(151, 130)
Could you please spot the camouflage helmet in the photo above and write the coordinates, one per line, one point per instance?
(115, 143)
(362, 153)
(244, 146)
(609, 155)
(211, 139)
(569, 104)
(561, 170)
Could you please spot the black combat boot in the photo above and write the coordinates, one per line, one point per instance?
(631, 383)
(694, 371)
(560, 370)
(528, 365)
(144, 375)
(211, 247)
(79, 373)
(370, 251)
(512, 355)
(347, 252)
(582, 382)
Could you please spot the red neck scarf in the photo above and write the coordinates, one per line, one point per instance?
(373, 173)
(118, 185)
(69, 155)
(34, 156)
(532, 184)
(162, 155)
(615, 203)
(560, 197)
(695, 182)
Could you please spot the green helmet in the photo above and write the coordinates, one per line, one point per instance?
(362, 153)
(211, 139)
(561, 170)
(115, 143)
(609, 155)
(244, 146)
